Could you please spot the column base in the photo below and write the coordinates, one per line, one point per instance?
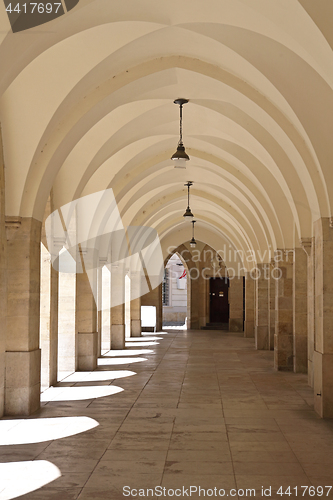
(117, 336)
(22, 390)
(283, 352)
(323, 384)
(87, 351)
(135, 327)
(235, 324)
(249, 329)
(261, 338)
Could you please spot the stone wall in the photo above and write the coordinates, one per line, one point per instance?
(3, 282)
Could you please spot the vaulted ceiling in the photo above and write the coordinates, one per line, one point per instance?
(87, 104)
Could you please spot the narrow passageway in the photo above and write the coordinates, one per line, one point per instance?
(186, 408)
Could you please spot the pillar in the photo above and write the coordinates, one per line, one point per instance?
(271, 307)
(135, 306)
(261, 326)
(99, 311)
(23, 357)
(300, 311)
(105, 292)
(48, 320)
(67, 334)
(195, 297)
(203, 298)
(118, 307)
(236, 303)
(323, 347)
(249, 306)
(308, 245)
(283, 339)
(48, 332)
(86, 318)
(3, 283)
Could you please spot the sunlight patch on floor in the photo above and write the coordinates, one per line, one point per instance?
(38, 430)
(127, 352)
(119, 361)
(79, 393)
(98, 376)
(139, 344)
(19, 478)
(143, 339)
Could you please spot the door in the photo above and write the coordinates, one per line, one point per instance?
(219, 303)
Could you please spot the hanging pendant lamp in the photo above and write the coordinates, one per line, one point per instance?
(188, 213)
(180, 157)
(193, 242)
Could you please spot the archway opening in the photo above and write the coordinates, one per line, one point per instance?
(175, 294)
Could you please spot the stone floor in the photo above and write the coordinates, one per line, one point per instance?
(176, 409)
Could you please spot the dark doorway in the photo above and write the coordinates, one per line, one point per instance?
(219, 303)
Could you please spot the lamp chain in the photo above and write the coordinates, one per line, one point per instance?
(181, 124)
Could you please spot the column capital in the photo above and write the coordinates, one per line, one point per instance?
(306, 245)
(13, 221)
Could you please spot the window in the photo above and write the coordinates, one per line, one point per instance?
(165, 288)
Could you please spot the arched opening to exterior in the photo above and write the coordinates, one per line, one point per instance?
(175, 290)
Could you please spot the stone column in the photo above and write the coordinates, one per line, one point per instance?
(48, 320)
(283, 339)
(309, 247)
(323, 349)
(135, 304)
(261, 326)
(48, 332)
(300, 309)
(195, 295)
(271, 307)
(86, 317)
(117, 307)
(67, 334)
(3, 283)
(249, 306)
(106, 308)
(99, 311)
(236, 302)
(23, 358)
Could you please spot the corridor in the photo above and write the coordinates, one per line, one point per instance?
(193, 408)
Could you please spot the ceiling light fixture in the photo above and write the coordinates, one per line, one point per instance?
(188, 214)
(193, 242)
(180, 157)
